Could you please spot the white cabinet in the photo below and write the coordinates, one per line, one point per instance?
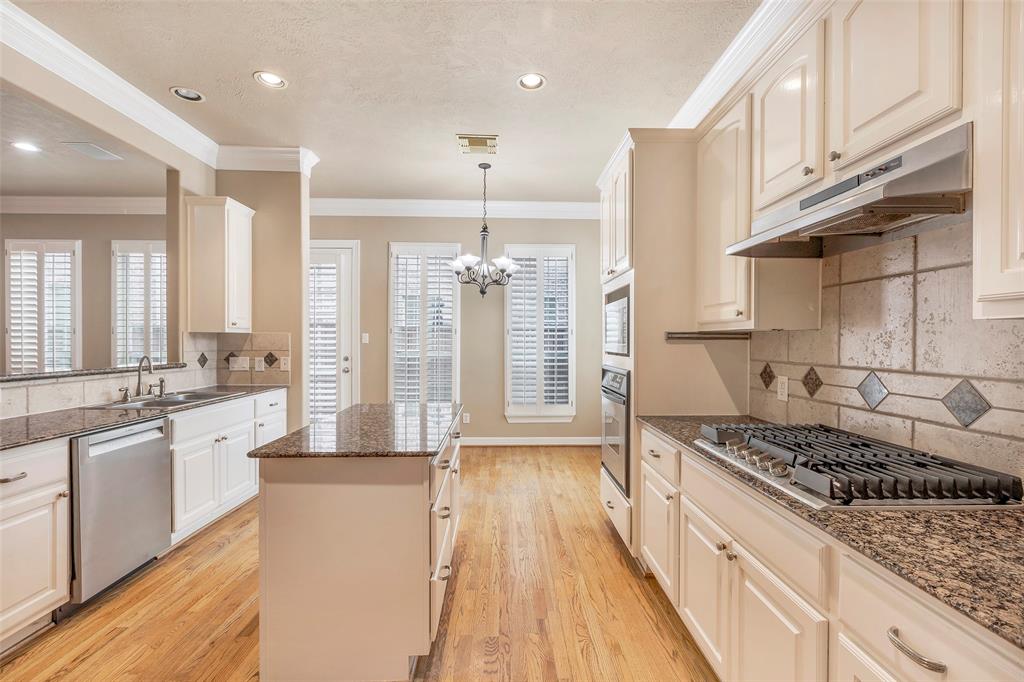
(270, 427)
(238, 470)
(788, 121)
(35, 573)
(659, 519)
(776, 635)
(704, 583)
(999, 163)
(616, 217)
(616, 506)
(895, 68)
(853, 664)
(194, 472)
(219, 265)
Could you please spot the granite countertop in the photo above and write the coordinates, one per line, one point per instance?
(370, 430)
(969, 559)
(77, 421)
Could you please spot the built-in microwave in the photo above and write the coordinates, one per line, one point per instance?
(616, 322)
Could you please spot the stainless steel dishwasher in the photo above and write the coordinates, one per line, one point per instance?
(120, 503)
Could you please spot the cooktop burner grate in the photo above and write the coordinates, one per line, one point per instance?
(852, 470)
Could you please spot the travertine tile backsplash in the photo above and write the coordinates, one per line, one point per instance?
(903, 311)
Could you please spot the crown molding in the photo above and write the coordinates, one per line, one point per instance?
(282, 159)
(440, 208)
(25, 34)
(768, 23)
(84, 205)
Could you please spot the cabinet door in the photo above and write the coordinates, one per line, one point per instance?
(238, 471)
(195, 481)
(239, 265)
(270, 427)
(853, 664)
(723, 191)
(704, 583)
(776, 635)
(606, 235)
(787, 121)
(895, 68)
(622, 216)
(659, 528)
(35, 576)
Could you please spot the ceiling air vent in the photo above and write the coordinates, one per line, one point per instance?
(478, 144)
(93, 151)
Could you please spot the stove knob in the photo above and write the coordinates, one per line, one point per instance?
(765, 463)
(778, 468)
(752, 455)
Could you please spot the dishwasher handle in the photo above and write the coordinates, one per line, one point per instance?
(116, 439)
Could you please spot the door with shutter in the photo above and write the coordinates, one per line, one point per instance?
(332, 368)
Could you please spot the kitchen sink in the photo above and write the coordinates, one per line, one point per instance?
(170, 400)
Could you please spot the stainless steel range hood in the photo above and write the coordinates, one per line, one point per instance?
(931, 179)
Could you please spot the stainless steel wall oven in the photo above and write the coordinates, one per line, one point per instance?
(615, 425)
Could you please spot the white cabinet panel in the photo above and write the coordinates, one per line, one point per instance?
(239, 258)
(270, 427)
(238, 470)
(616, 506)
(895, 67)
(853, 664)
(617, 218)
(195, 481)
(659, 519)
(787, 121)
(704, 583)
(219, 265)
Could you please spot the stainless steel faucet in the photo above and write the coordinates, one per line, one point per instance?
(138, 385)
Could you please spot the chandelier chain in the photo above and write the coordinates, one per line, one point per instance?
(485, 196)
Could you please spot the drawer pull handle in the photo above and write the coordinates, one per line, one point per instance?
(721, 546)
(731, 556)
(608, 503)
(446, 575)
(15, 477)
(273, 404)
(443, 515)
(456, 435)
(444, 464)
(924, 662)
(655, 455)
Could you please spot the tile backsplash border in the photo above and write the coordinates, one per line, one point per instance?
(900, 313)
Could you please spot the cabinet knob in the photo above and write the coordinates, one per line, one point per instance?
(260, 424)
(64, 493)
(807, 170)
(235, 324)
(668, 498)
(721, 546)
(345, 370)
(731, 556)
(834, 155)
(739, 313)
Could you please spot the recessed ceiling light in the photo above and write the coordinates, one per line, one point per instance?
(26, 146)
(187, 94)
(531, 81)
(270, 80)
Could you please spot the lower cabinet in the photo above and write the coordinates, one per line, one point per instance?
(704, 583)
(194, 472)
(659, 519)
(853, 664)
(238, 470)
(271, 427)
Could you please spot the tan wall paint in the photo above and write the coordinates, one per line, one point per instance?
(280, 262)
(482, 319)
(96, 232)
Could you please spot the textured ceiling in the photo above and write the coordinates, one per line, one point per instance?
(58, 170)
(380, 89)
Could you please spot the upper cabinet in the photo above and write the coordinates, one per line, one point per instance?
(617, 217)
(788, 110)
(219, 265)
(895, 68)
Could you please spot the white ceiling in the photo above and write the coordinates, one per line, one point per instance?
(58, 170)
(379, 90)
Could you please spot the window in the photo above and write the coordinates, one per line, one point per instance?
(424, 319)
(139, 273)
(43, 284)
(540, 334)
(332, 280)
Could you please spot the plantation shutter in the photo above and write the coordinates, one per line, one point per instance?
(540, 353)
(140, 301)
(42, 306)
(323, 335)
(424, 323)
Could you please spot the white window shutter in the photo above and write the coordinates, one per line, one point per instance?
(540, 335)
(323, 337)
(140, 301)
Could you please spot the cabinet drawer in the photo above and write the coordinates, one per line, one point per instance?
(440, 518)
(441, 465)
(34, 466)
(798, 556)
(616, 506)
(870, 604)
(208, 420)
(439, 581)
(268, 403)
(662, 456)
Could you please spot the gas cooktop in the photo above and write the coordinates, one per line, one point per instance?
(827, 468)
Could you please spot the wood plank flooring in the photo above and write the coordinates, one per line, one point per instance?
(543, 589)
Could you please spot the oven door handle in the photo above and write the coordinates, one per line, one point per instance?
(615, 398)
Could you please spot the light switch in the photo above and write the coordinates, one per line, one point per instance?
(366, 338)
(465, 417)
(259, 364)
(782, 388)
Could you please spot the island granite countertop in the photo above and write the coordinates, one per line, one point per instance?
(370, 430)
(78, 421)
(969, 559)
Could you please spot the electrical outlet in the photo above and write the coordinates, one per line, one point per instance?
(366, 338)
(782, 388)
(259, 365)
(465, 417)
(286, 364)
(238, 363)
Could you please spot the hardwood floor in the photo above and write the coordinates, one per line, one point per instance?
(543, 589)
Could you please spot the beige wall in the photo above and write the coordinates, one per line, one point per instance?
(902, 311)
(280, 262)
(96, 232)
(482, 328)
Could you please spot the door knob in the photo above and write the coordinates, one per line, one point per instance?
(345, 370)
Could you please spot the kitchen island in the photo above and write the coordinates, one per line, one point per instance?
(358, 518)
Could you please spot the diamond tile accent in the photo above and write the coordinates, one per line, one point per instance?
(767, 375)
(270, 359)
(202, 360)
(872, 390)
(812, 382)
(965, 403)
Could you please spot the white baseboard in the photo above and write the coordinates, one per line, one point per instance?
(531, 440)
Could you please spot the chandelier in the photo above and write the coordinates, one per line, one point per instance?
(476, 270)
